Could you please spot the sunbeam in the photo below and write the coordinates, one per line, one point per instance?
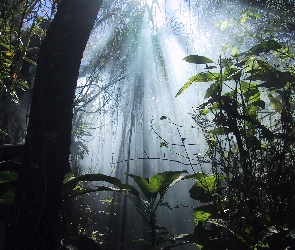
(135, 123)
(147, 124)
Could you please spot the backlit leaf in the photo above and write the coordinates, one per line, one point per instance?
(157, 184)
(101, 177)
(202, 77)
(212, 90)
(275, 103)
(263, 47)
(68, 176)
(201, 217)
(197, 59)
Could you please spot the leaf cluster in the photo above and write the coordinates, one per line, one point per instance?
(248, 120)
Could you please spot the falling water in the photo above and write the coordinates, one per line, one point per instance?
(136, 123)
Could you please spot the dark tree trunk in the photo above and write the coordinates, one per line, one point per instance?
(47, 148)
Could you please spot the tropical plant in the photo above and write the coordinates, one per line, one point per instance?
(248, 121)
(153, 189)
(22, 27)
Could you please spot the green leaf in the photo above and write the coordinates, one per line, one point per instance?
(6, 46)
(204, 111)
(30, 61)
(220, 131)
(208, 182)
(263, 47)
(24, 84)
(168, 179)
(202, 77)
(3, 132)
(157, 184)
(196, 176)
(68, 176)
(197, 59)
(105, 178)
(201, 217)
(200, 194)
(212, 90)
(204, 188)
(142, 183)
(210, 67)
(8, 197)
(7, 176)
(234, 51)
(275, 103)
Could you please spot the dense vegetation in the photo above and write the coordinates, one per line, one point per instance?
(247, 118)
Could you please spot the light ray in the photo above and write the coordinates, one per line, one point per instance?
(128, 135)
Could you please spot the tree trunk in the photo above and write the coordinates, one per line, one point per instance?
(47, 147)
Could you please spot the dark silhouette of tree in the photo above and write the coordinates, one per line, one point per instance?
(46, 155)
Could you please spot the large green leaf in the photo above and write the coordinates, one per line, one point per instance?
(275, 103)
(204, 188)
(7, 176)
(157, 184)
(200, 194)
(263, 47)
(212, 90)
(105, 178)
(201, 217)
(271, 76)
(264, 130)
(197, 59)
(143, 184)
(202, 77)
(68, 176)
(196, 176)
(208, 182)
(168, 178)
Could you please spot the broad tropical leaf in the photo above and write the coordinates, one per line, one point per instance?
(105, 178)
(201, 217)
(275, 103)
(197, 59)
(212, 90)
(7, 176)
(202, 77)
(157, 184)
(200, 194)
(263, 47)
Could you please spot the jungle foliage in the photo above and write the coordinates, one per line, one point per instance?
(247, 118)
(248, 121)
